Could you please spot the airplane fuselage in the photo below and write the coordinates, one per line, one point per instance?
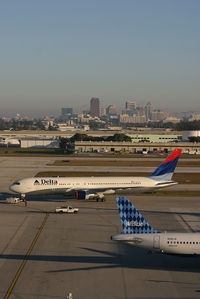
(107, 185)
(171, 243)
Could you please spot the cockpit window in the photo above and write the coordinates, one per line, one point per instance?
(16, 183)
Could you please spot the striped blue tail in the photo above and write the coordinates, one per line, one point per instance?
(131, 219)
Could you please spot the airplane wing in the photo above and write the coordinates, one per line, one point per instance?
(132, 240)
(127, 238)
(137, 240)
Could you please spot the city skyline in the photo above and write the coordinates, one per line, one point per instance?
(61, 54)
(86, 108)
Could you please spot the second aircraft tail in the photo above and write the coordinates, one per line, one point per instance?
(131, 219)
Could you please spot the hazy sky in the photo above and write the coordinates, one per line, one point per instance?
(61, 53)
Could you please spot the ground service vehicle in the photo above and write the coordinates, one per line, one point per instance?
(12, 199)
(67, 209)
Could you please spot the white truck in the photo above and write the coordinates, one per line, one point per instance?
(67, 209)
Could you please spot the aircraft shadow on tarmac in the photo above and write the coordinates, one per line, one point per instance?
(4, 195)
(126, 257)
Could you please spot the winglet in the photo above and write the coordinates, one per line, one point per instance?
(131, 219)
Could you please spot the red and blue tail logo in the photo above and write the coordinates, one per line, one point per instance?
(165, 171)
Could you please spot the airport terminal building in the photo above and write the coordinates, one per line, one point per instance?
(141, 142)
(131, 147)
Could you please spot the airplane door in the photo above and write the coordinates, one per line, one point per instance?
(156, 242)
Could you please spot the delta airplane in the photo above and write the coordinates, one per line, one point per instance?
(99, 186)
(138, 232)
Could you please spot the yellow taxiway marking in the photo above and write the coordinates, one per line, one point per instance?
(26, 258)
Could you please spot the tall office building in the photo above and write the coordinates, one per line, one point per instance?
(148, 110)
(130, 105)
(94, 107)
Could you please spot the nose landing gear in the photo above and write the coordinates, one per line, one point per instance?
(22, 197)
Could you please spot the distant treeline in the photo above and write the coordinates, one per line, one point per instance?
(68, 142)
(17, 125)
(187, 126)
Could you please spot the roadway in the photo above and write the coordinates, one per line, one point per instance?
(74, 253)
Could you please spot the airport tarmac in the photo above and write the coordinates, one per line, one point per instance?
(74, 253)
(47, 255)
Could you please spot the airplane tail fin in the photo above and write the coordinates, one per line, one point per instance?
(131, 219)
(165, 171)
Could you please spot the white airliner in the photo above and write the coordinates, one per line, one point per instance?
(99, 186)
(138, 232)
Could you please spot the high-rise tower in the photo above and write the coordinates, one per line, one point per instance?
(148, 110)
(130, 105)
(94, 107)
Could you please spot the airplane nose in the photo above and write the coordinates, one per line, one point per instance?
(12, 187)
